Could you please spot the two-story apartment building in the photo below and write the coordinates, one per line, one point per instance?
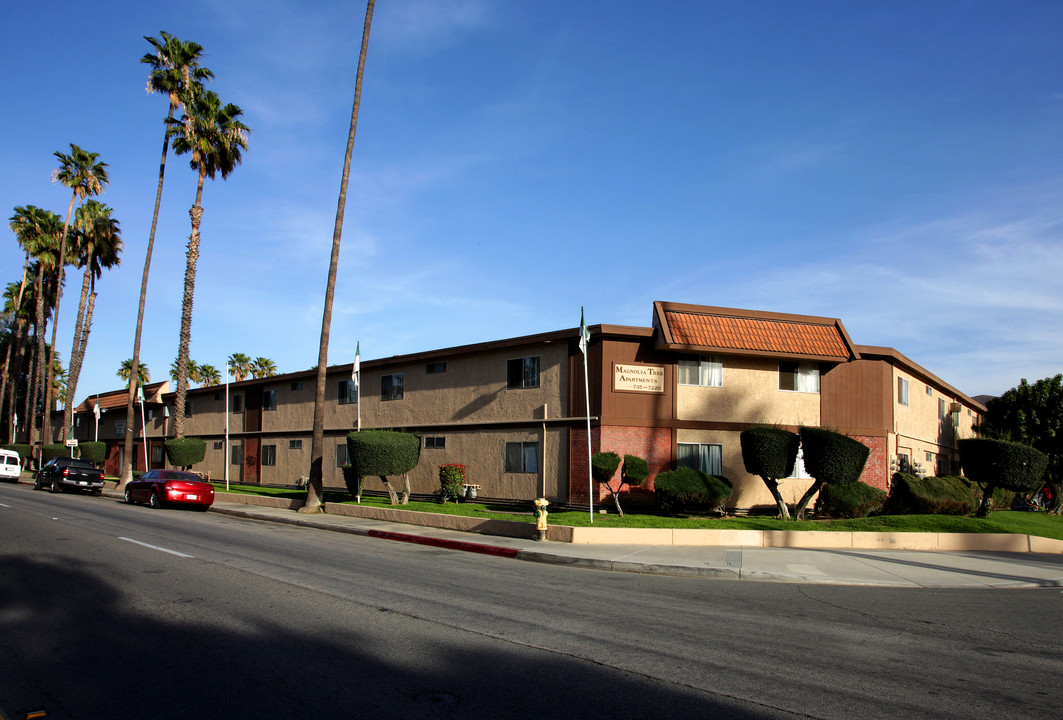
(514, 411)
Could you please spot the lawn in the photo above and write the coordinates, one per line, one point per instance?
(1001, 521)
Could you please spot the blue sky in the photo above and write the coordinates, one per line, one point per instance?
(896, 165)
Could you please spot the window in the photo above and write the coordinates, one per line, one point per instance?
(929, 457)
(149, 414)
(119, 427)
(219, 444)
(523, 372)
(904, 463)
(295, 444)
(522, 457)
(77, 421)
(236, 453)
(799, 377)
(943, 409)
(269, 400)
(799, 465)
(341, 454)
(348, 392)
(269, 454)
(297, 386)
(705, 457)
(217, 396)
(706, 371)
(156, 453)
(902, 391)
(433, 368)
(189, 408)
(391, 386)
(930, 391)
(435, 442)
(238, 403)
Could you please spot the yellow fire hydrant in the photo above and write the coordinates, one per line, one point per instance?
(540, 516)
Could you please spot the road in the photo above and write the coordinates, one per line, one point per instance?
(112, 611)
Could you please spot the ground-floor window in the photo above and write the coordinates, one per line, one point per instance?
(341, 454)
(269, 454)
(522, 457)
(799, 465)
(237, 455)
(704, 456)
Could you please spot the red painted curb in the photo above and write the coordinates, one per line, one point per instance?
(450, 544)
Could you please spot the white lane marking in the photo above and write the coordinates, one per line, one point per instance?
(155, 547)
(3, 505)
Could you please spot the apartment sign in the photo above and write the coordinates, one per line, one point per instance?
(638, 378)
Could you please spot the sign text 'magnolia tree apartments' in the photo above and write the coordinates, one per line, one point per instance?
(638, 378)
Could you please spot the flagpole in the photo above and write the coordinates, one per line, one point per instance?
(96, 412)
(584, 341)
(225, 460)
(143, 426)
(356, 376)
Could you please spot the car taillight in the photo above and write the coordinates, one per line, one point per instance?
(66, 472)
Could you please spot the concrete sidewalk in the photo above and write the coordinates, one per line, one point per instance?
(882, 568)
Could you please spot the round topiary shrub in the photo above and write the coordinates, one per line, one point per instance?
(997, 464)
(185, 452)
(94, 452)
(636, 470)
(687, 488)
(851, 500)
(604, 465)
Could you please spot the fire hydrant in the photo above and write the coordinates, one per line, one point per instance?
(540, 516)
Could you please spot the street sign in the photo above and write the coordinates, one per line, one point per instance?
(72, 442)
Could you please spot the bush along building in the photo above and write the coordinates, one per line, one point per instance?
(513, 411)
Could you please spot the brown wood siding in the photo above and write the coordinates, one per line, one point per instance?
(634, 408)
(857, 396)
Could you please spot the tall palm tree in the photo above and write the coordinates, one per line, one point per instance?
(98, 243)
(19, 301)
(85, 175)
(216, 138)
(314, 488)
(263, 367)
(142, 373)
(24, 223)
(239, 366)
(44, 246)
(195, 374)
(174, 70)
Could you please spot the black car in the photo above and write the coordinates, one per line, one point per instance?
(64, 472)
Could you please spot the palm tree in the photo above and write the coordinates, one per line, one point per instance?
(85, 175)
(43, 244)
(239, 366)
(314, 487)
(194, 373)
(209, 376)
(263, 368)
(19, 301)
(99, 245)
(174, 70)
(216, 139)
(24, 223)
(126, 371)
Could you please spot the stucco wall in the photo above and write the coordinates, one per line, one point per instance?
(750, 394)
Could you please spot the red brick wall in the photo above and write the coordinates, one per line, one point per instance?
(876, 471)
(654, 445)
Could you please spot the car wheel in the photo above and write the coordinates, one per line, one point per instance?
(128, 497)
(154, 501)
(37, 483)
(55, 486)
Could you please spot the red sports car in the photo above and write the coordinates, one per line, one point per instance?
(165, 487)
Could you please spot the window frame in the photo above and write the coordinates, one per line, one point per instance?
(804, 374)
(435, 442)
(704, 367)
(525, 450)
(269, 456)
(435, 368)
(342, 458)
(705, 458)
(392, 387)
(902, 391)
(520, 377)
(347, 391)
(296, 444)
(269, 399)
(236, 404)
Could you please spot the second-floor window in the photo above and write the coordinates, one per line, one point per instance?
(391, 386)
(348, 392)
(706, 371)
(269, 400)
(799, 376)
(902, 391)
(238, 403)
(523, 372)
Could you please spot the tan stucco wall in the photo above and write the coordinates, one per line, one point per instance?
(750, 394)
(918, 428)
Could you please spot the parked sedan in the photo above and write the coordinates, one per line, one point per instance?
(170, 487)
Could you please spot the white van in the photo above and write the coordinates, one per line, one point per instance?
(10, 465)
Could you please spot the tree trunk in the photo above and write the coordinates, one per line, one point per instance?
(314, 485)
(799, 509)
(76, 359)
(46, 421)
(773, 487)
(391, 491)
(5, 382)
(405, 489)
(127, 467)
(38, 375)
(616, 497)
(191, 258)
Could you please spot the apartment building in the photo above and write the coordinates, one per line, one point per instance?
(514, 411)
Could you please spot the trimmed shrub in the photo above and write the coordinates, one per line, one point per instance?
(851, 500)
(22, 449)
(94, 452)
(831, 457)
(636, 470)
(769, 452)
(912, 495)
(353, 482)
(185, 452)
(381, 453)
(687, 488)
(604, 465)
(54, 450)
(995, 464)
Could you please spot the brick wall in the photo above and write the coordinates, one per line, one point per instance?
(877, 470)
(654, 445)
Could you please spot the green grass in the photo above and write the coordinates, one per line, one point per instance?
(1001, 521)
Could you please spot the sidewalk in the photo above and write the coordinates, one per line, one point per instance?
(881, 568)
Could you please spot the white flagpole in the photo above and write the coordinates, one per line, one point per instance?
(584, 339)
(96, 412)
(356, 377)
(143, 425)
(225, 460)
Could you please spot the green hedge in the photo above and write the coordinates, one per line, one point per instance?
(687, 488)
(94, 452)
(636, 470)
(912, 495)
(769, 452)
(185, 452)
(995, 464)
(381, 453)
(22, 449)
(851, 500)
(54, 450)
(830, 457)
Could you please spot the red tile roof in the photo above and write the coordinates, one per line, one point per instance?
(757, 334)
